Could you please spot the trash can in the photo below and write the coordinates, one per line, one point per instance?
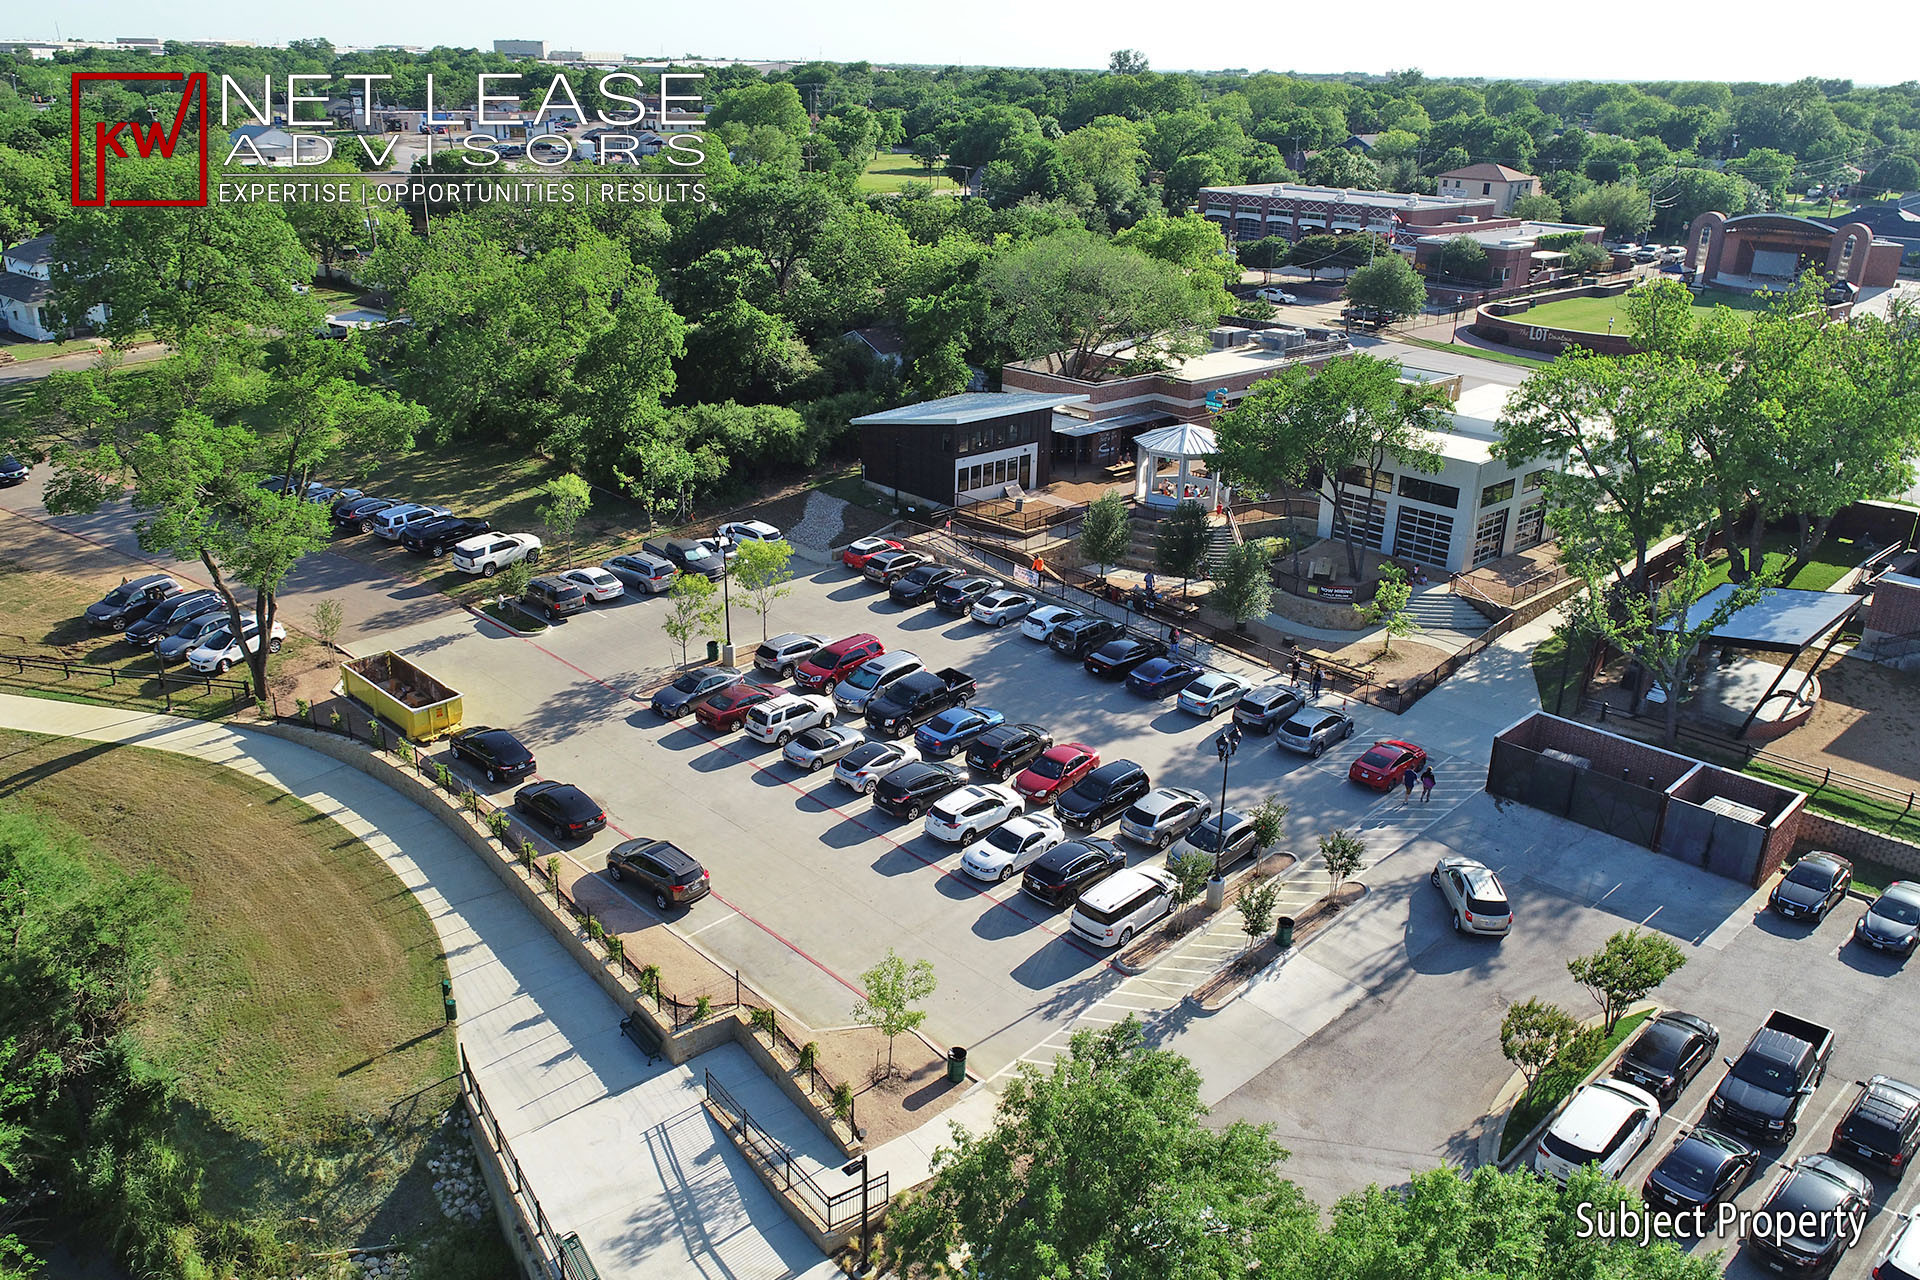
(956, 1066)
(1283, 933)
(713, 651)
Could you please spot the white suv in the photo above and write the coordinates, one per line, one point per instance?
(219, 650)
(779, 719)
(1607, 1124)
(488, 553)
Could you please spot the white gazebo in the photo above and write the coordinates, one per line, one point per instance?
(1183, 443)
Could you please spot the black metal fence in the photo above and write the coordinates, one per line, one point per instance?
(833, 1209)
(546, 1241)
(229, 694)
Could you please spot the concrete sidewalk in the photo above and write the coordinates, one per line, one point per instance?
(618, 1151)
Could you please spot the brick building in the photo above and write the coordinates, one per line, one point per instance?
(1515, 253)
(1489, 181)
(1290, 211)
(1767, 252)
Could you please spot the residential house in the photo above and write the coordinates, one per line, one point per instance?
(1489, 181)
(26, 291)
(261, 144)
(887, 345)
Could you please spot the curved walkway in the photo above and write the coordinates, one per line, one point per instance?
(618, 1151)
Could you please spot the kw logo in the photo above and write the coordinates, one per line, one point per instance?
(147, 138)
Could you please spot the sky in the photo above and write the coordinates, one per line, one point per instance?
(1762, 40)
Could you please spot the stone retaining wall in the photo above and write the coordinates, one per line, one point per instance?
(1818, 831)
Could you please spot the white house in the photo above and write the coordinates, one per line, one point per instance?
(1474, 509)
(255, 144)
(26, 291)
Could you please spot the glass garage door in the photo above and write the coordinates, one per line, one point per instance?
(1425, 536)
(1489, 536)
(1368, 518)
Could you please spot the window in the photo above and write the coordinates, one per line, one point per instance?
(1496, 493)
(1534, 480)
(1380, 481)
(1490, 535)
(1486, 188)
(946, 442)
(1367, 516)
(1439, 495)
(1423, 535)
(1530, 528)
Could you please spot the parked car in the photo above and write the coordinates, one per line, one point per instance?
(1058, 768)
(1210, 693)
(1006, 749)
(1264, 709)
(567, 811)
(1163, 815)
(1900, 1257)
(917, 585)
(1647, 253)
(831, 663)
(1078, 637)
(359, 514)
(1814, 886)
(642, 572)
(1382, 765)
(147, 630)
(1010, 847)
(1767, 1088)
(884, 567)
(1312, 730)
(688, 555)
(1158, 677)
(554, 596)
(494, 752)
(219, 651)
(1891, 921)
(871, 678)
(998, 608)
(1882, 1126)
(1041, 620)
(780, 719)
(1118, 657)
(1668, 1053)
(1475, 898)
(12, 472)
(1111, 912)
(186, 636)
(489, 553)
(1704, 1168)
(726, 710)
(957, 595)
(679, 697)
(864, 766)
(1606, 1123)
(738, 531)
(911, 790)
(1219, 841)
(1278, 296)
(394, 521)
(1809, 1208)
(856, 554)
(822, 746)
(912, 701)
(596, 583)
(127, 603)
(1102, 795)
(1063, 872)
(782, 655)
(965, 813)
(954, 730)
(437, 537)
(674, 876)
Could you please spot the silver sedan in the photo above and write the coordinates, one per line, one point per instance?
(821, 746)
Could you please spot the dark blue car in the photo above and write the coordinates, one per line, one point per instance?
(1158, 677)
(955, 730)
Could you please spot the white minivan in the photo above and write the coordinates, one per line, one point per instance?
(860, 685)
(1113, 911)
(779, 719)
(394, 521)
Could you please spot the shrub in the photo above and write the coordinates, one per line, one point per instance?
(809, 1056)
(443, 775)
(595, 930)
(499, 823)
(403, 749)
(702, 1009)
(527, 853)
(616, 947)
(553, 873)
(302, 708)
(650, 980)
(377, 734)
(764, 1020)
(470, 801)
(843, 1101)
(334, 716)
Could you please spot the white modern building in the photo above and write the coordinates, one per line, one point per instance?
(26, 291)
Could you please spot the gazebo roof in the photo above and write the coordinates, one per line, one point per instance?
(1181, 440)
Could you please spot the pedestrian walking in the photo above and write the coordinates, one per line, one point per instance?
(1296, 671)
(1426, 784)
(1318, 676)
(1409, 778)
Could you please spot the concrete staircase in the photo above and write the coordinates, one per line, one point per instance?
(1220, 545)
(1437, 609)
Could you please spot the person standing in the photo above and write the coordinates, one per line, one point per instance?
(1296, 671)
(1317, 677)
(1426, 784)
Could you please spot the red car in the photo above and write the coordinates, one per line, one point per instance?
(727, 710)
(1386, 762)
(829, 665)
(858, 553)
(1054, 772)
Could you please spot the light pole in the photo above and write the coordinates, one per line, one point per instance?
(858, 1165)
(1224, 746)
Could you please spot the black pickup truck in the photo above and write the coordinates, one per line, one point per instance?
(1767, 1087)
(908, 703)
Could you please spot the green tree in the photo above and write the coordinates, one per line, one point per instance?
(1269, 819)
(1209, 1200)
(1767, 169)
(1342, 852)
(1190, 876)
(1194, 245)
(1388, 608)
(928, 152)
(1622, 208)
(773, 103)
(1532, 1034)
(1631, 964)
(1181, 540)
(1538, 208)
(1339, 167)
(1315, 253)
(693, 613)
(1584, 258)
(1263, 255)
(1390, 285)
(764, 571)
(1895, 173)
(1107, 531)
(512, 581)
(1256, 903)
(1464, 258)
(893, 987)
(1245, 588)
(1127, 62)
(568, 499)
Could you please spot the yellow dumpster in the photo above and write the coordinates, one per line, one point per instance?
(403, 695)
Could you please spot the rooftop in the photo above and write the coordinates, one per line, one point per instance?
(971, 406)
(1486, 173)
(1524, 234)
(1476, 422)
(37, 252)
(1338, 195)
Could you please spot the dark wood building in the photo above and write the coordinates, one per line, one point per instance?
(967, 446)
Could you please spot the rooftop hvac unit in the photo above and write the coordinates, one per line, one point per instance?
(1282, 339)
(1228, 335)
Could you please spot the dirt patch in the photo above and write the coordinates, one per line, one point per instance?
(1404, 661)
(1867, 723)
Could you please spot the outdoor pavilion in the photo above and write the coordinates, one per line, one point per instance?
(1784, 621)
(1183, 443)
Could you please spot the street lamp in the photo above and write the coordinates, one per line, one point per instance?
(858, 1165)
(1224, 746)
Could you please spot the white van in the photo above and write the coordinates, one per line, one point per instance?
(860, 685)
(779, 719)
(394, 521)
(1113, 911)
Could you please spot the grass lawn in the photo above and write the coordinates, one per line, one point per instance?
(1554, 1084)
(1835, 557)
(1467, 349)
(1547, 657)
(1590, 315)
(301, 1014)
(890, 172)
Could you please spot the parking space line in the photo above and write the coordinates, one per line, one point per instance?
(694, 933)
